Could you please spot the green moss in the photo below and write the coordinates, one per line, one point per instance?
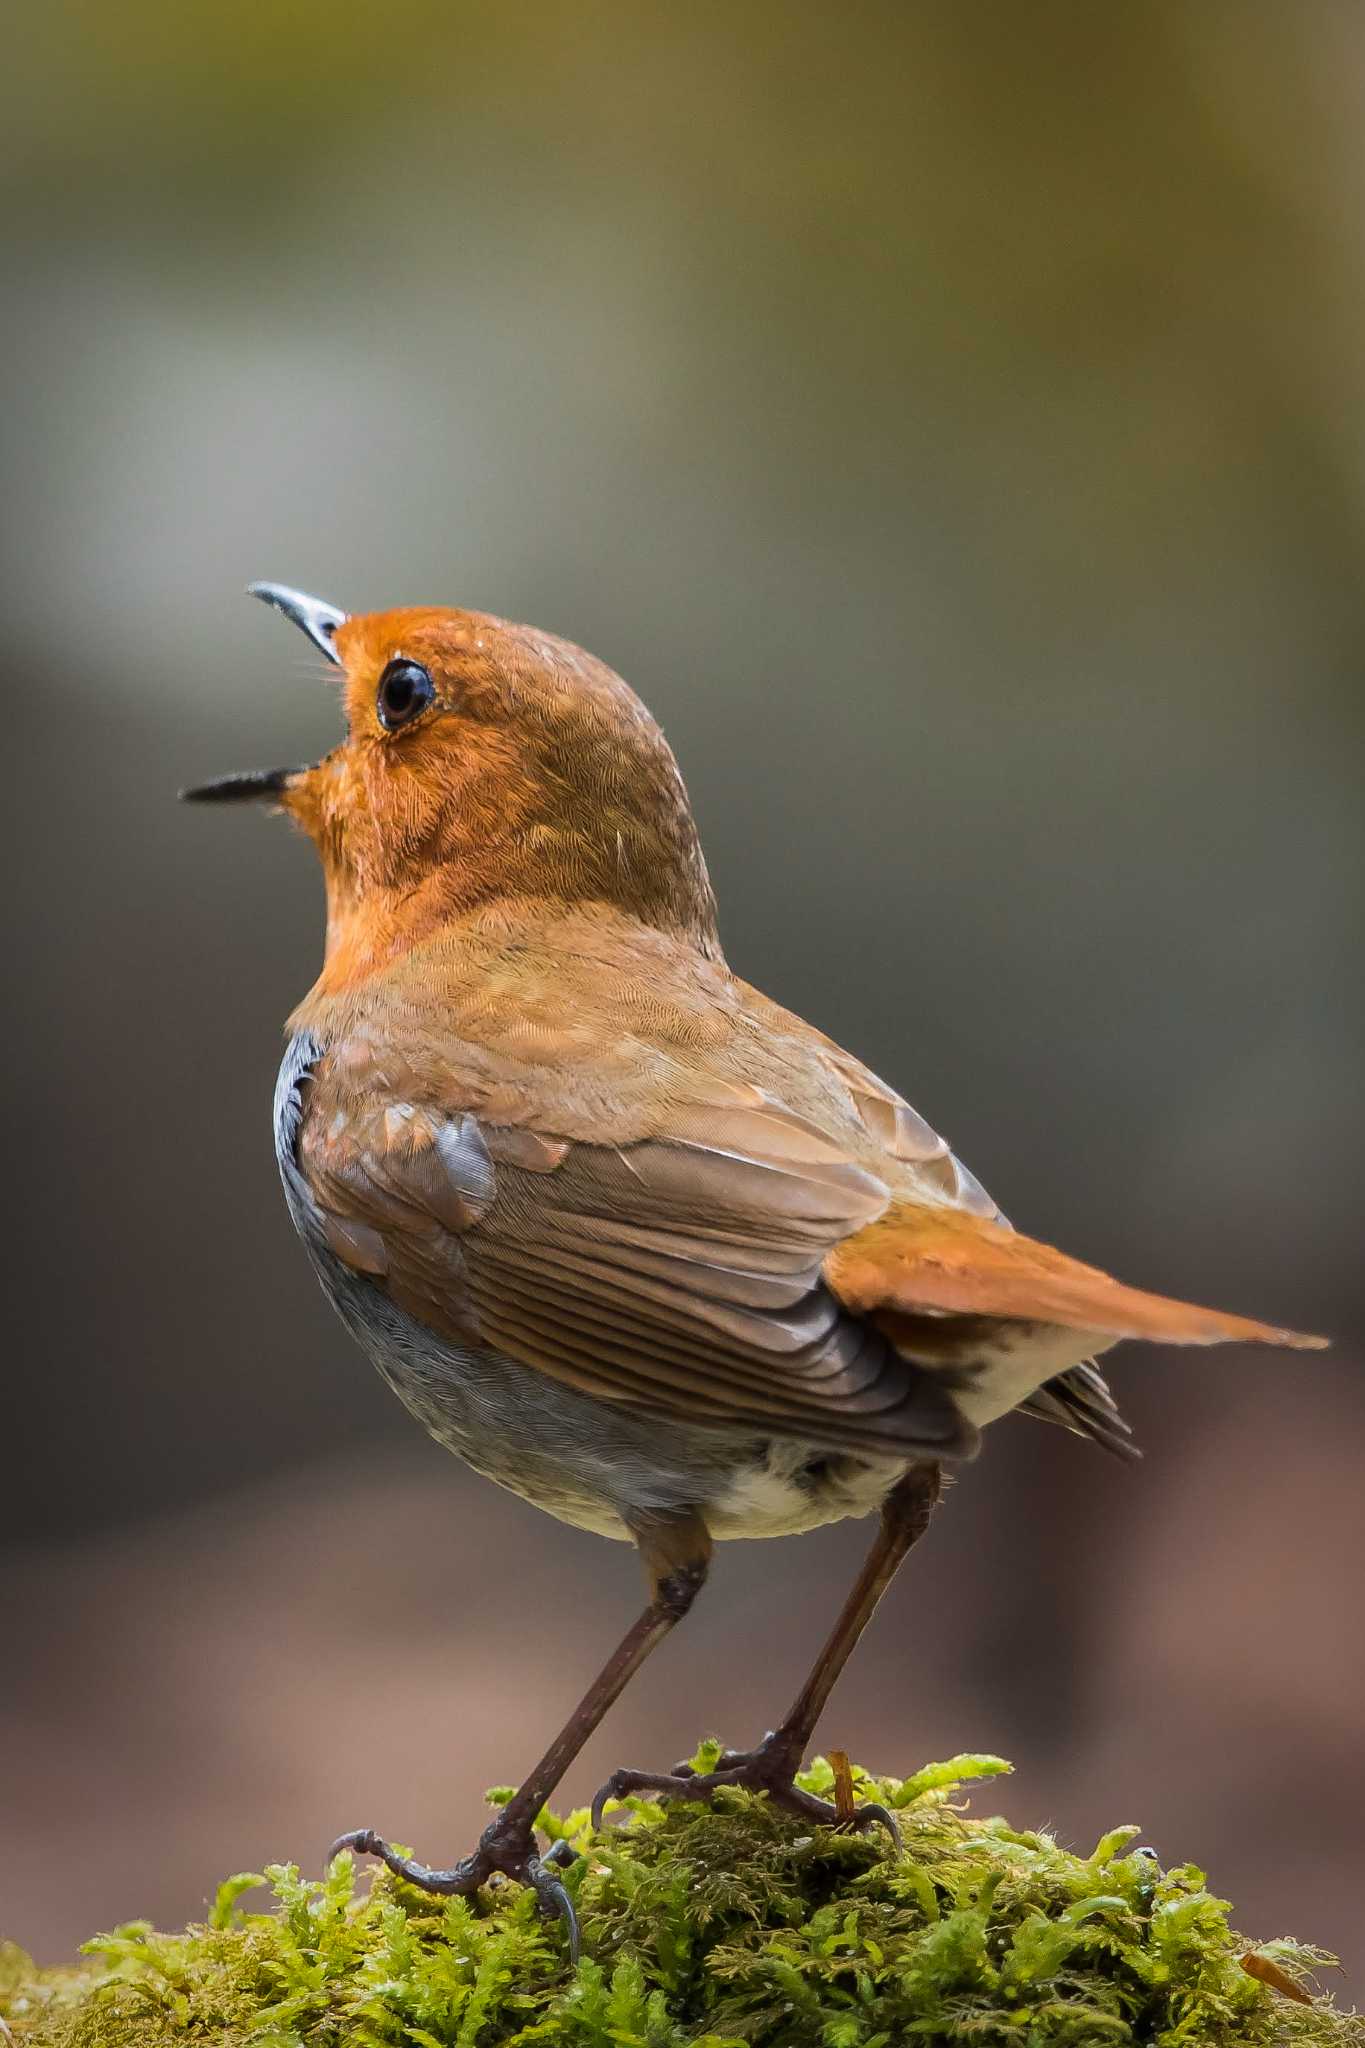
(736, 1927)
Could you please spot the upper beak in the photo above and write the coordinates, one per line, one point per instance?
(319, 620)
(312, 615)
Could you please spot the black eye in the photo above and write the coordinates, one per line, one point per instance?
(405, 689)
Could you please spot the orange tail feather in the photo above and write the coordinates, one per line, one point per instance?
(917, 1258)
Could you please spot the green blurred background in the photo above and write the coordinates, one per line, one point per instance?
(951, 417)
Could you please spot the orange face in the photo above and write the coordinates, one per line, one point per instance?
(435, 764)
(483, 762)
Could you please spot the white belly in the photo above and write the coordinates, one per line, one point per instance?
(780, 1498)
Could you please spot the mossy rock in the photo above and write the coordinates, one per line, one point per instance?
(732, 1927)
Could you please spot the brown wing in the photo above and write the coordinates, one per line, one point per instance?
(679, 1274)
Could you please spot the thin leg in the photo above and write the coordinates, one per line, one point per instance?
(772, 1767)
(676, 1555)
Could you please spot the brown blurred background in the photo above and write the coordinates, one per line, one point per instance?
(952, 419)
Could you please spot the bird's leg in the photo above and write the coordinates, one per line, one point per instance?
(773, 1765)
(676, 1551)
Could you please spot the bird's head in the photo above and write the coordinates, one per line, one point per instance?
(484, 764)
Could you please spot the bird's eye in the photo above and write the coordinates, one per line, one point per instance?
(405, 690)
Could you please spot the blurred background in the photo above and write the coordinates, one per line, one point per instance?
(952, 420)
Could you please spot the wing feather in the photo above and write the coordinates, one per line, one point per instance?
(1081, 1401)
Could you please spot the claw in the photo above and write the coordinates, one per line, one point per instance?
(868, 1814)
(598, 1811)
(360, 1842)
(554, 1901)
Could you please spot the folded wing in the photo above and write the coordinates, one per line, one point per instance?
(680, 1275)
(741, 1267)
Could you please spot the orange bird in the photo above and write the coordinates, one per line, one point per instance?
(621, 1232)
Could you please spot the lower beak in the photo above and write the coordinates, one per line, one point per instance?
(255, 785)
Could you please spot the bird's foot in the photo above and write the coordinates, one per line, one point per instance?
(506, 1849)
(771, 1768)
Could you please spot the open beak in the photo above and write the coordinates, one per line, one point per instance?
(319, 620)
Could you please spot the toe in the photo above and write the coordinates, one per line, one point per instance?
(462, 1878)
(625, 1785)
(512, 1852)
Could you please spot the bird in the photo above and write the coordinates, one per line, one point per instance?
(621, 1232)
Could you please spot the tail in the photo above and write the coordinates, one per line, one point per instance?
(918, 1260)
